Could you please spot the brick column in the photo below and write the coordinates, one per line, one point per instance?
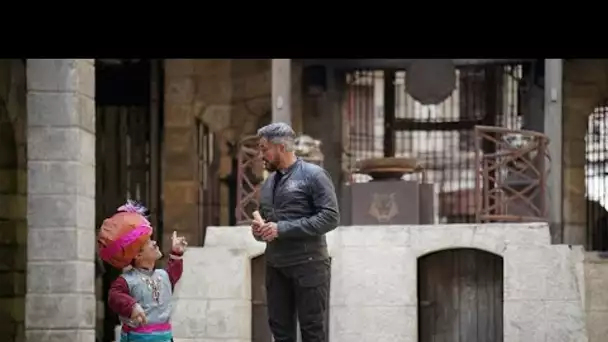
(60, 299)
(180, 177)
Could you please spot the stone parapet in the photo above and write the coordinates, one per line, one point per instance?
(374, 294)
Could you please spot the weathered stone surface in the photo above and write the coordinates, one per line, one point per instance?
(230, 97)
(181, 138)
(67, 277)
(60, 211)
(178, 115)
(179, 89)
(217, 117)
(182, 192)
(41, 109)
(60, 299)
(51, 178)
(60, 311)
(61, 75)
(374, 284)
(59, 143)
(61, 244)
(60, 336)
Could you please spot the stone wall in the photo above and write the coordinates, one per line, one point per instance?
(13, 187)
(232, 98)
(596, 296)
(542, 301)
(585, 87)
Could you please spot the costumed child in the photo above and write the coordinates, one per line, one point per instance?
(141, 295)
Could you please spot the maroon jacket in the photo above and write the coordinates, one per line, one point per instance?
(119, 298)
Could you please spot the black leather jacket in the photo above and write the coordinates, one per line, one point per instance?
(305, 207)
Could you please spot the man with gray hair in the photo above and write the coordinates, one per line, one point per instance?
(298, 206)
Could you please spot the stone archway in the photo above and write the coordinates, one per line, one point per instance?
(13, 172)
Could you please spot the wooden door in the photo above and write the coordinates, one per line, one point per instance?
(259, 319)
(460, 295)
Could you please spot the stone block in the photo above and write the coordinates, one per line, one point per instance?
(574, 152)
(374, 285)
(184, 219)
(220, 322)
(86, 180)
(210, 67)
(258, 85)
(185, 319)
(54, 178)
(518, 325)
(179, 90)
(178, 115)
(60, 311)
(53, 109)
(216, 89)
(216, 325)
(180, 140)
(365, 276)
(182, 192)
(87, 110)
(60, 211)
(372, 323)
(525, 274)
(541, 273)
(596, 325)
(245, 67)
(53, 143)
(61, 75)
(180, 166)
(192, 286)
(217, 117)
(70, 335)
(62, 244)
(66, 277)
(564, 321)
(596, 283)
(179, 67)
(87, 147)
(362, 236)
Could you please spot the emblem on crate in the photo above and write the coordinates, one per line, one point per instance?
(383, 207)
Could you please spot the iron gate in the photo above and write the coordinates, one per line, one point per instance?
(385, 121)
(129, 99)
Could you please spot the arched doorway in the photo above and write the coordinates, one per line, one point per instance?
(460, 296)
